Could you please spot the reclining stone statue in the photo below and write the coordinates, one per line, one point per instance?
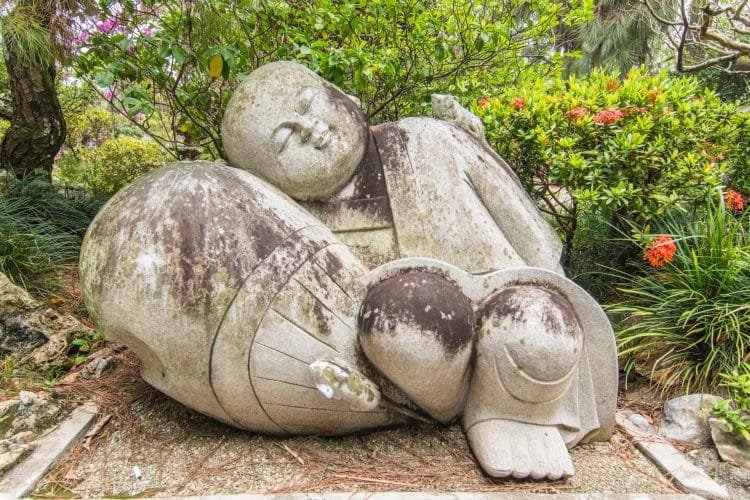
(246, 290)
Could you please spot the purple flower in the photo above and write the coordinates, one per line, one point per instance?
(107, 26)
(82, 37)
(148, 31)
(108, 94)
(138, 117)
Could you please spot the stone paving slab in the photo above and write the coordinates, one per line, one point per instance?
(402, 495)
(21, 480)
(687, 476)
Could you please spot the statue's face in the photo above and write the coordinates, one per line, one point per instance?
(299, 132)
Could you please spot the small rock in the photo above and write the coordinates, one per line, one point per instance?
(29, 399)
(35, 412)
(640, 421)
(24, 437)
(731, 448)
(9, 406)
(686, 418)
(98, 367)
(10, 458)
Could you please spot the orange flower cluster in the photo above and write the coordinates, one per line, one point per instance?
(576, 113)
(660, 251)
(634, 110)
(653, 95)
(483, 102)
(518, 103)
(734, 201)
(607, 116)
(612, 85)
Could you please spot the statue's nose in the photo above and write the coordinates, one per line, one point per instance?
(315, 130)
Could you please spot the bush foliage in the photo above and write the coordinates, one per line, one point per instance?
(688, 316)
(105, 169)
(735, 410)
(616, 150)
(152, 58)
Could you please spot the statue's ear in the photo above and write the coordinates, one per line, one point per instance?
(356, 100)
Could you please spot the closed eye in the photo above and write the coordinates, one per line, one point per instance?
(304, 99)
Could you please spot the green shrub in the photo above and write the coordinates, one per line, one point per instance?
(620, 150)
(689, 317)
(104, 169)
(40, 231)
(4, 126)
(92, 126)
(735, 411)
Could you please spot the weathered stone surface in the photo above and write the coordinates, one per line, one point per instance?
(523, 410)
(286, 124)
(418, 330)
(20, 481)
(447, 108)
(246, 307)
(227, 291)
(685, 418)
(33, 333)
(731, 448)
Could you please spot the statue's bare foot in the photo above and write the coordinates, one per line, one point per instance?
(507, 448)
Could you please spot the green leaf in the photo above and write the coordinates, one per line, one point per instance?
(125, 44)
(104, 78)
(178, 54)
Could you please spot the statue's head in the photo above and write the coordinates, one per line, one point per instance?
(289, 126)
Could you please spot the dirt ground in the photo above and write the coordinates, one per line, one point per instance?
(151, 445)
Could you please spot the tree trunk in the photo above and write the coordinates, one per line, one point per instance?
(37, 129)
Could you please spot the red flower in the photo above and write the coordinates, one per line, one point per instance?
(483, 102)
(734, 201)
(660, 251)
(607, 116)
(518, 103)
(576, 113)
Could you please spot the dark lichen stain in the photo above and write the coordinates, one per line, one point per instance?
(332, 264)
(344, 103)
(321, 319)
(425, 300)
(369, 181)
(391, 142)
(511, 302)
(212, 227)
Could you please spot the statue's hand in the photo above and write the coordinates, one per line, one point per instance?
(336, 379)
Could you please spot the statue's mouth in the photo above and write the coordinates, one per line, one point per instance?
(322, 140)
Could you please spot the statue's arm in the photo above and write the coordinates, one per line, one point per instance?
(514, 212)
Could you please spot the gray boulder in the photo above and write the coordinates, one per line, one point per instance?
(686, 418)
(32, 333)
(731, 448)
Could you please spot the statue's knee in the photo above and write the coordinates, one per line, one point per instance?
(535, 338)
(417, 328)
